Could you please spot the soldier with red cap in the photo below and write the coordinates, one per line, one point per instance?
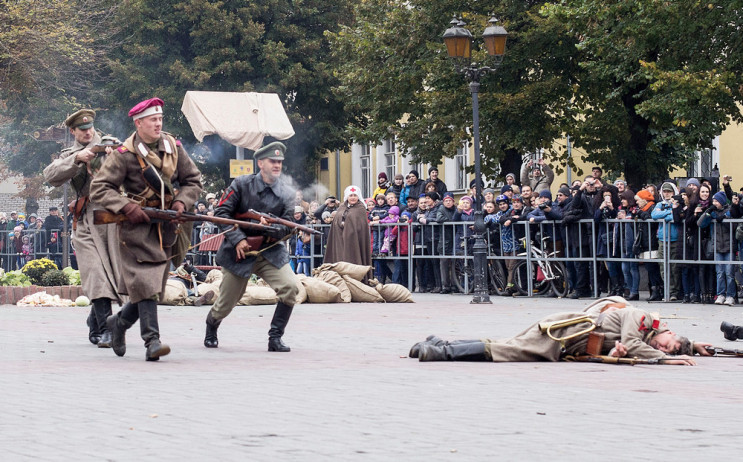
(153, 170)
(96, 247)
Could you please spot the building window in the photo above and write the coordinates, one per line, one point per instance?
(702, 166)
(390, 158)
(460, 164)
(366, 170)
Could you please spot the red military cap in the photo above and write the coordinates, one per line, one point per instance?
(146, 108)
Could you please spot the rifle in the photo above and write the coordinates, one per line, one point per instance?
(106, 142)
(273, 219)
(718, 351)
(611, 360)
(104, 217)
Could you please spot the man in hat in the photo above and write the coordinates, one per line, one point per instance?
(670, 234)
(433, 177)
(620, 331)
(96, 247)
(417, 187)
(264, 191)
(539, 176)
(382, 185)
(53, 227)
(211, 200)
(146, 168)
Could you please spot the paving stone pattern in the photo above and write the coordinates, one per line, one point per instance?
(347, 391)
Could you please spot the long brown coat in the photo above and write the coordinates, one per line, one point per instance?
(96, 247)
(144, 262)
(631, 326)
(349, 239)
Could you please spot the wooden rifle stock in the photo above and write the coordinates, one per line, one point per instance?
(611, 360)
(104, 217)
(273, 219)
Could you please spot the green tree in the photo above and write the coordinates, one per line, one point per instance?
(274, 46)
(51, 64)
(396, 73)
(660, 80)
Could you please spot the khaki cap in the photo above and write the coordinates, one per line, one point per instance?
(82, 119)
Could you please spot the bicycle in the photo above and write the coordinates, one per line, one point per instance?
(547, 277)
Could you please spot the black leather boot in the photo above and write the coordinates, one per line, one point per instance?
(655, 295)
(475, 351)
(210, 339)
(436, 341)
(150, 330)
(118, 324)
(102, 309)
(731, 331)
(94, 335)
(280, 319)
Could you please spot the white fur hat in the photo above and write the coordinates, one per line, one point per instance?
(351, 190)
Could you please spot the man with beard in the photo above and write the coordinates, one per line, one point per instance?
(96, 246)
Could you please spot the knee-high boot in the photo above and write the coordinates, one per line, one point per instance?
(436, 341)
(102, 308)
(459, 352)
(280, 319)
(94, 335)
(210, 339)
(150, 330)
(118, 324)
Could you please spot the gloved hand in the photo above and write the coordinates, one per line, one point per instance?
(134, 214)
(277, 232)
(178, 207)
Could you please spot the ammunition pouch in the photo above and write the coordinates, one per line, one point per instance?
(595, 343)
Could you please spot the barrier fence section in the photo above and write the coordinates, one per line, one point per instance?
(524, 258)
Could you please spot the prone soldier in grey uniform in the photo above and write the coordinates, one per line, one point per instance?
(153, 170)
(264, 192)
(97, 247)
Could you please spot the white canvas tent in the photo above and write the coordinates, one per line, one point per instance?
(242, 119)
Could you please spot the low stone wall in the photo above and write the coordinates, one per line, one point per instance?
(10, 295)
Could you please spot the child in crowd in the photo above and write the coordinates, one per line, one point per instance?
(389, 238)
(376, 214)
(464, 212)
(502, 219)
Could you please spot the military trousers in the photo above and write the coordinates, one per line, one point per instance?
(282, 280)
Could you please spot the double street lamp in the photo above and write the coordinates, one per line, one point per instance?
(458, 41)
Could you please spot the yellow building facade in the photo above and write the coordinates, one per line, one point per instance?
(361, 165)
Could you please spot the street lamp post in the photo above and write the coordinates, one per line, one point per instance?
(458, 42)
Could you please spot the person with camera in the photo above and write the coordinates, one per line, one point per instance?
(668, 237)
(683, 214)
(608, 242)
(724, 245)
(698, 244)
(578, 236)
(538, 176)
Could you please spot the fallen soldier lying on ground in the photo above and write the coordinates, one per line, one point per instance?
(616, 333)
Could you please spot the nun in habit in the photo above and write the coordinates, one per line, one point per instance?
(349, 239)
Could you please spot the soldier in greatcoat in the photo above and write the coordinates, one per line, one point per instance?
(96, 246)
(265, 192)
(626, 332)
(153, 170)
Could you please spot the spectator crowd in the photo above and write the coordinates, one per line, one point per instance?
(606, 234)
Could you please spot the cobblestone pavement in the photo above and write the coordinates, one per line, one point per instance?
(347, 391)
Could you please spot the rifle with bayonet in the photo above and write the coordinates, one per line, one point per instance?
(274, 220)
(718, 351)
(104, 217)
